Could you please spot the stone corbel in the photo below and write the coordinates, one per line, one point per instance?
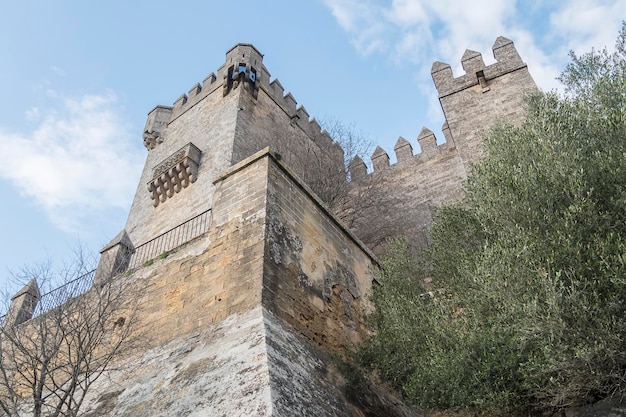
(174, 173)
(155, 125)
(151, 139)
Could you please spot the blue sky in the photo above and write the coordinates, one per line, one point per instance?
(79, 77)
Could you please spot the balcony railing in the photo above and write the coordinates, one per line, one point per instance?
(165, 242)
(62, 294)
(173, 238)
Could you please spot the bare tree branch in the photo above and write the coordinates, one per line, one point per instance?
(48, 363)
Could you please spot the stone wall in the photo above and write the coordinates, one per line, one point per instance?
(243, 320)
(227, 120)
(316, 274)
(407, 193)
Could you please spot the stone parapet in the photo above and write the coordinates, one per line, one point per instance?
(507, 60)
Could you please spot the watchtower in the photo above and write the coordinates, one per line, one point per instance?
(246, 281)
(473, 102)
(224, 119)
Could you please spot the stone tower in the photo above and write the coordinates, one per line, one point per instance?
(228, 117)
(408, 191)
(247, 285)
(486, 94)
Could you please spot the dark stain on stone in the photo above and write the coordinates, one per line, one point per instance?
(189, 374)
(106, 404)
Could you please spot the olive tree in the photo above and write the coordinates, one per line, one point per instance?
(527, 307)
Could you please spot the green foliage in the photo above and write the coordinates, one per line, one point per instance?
(148, 262)
(164, 254)
(529, 269)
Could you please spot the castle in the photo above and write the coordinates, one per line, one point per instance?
(250, 281)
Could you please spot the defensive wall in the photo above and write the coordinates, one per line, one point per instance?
(419, 183)
(242, 320)
(246, 283)
(228, 117)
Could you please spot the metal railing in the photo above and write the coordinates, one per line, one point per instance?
(165, 242)
(171, 239)
(62, 294)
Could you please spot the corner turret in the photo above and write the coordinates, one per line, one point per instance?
(23, 304)
(244, 64)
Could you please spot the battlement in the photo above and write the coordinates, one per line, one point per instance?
(476, 72)
(198, 92)
(403, 149)
(244, 63)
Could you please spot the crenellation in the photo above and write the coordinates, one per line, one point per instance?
(277, 89)
(504, 52)
(357, 169)
(441, 74)
(403, 150)
(303, 121)
(302, 113)
(323, 138)
(194, 91)
(210, 79)
(380, 159)
(472, 62)
(507, 60)
(315, 126)
(428, 143)
(180, 102)
(289, 104)
(334, 144)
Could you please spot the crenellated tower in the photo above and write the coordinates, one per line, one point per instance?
(408, 191)
(224, 119)
(485, 94)
(246, 281)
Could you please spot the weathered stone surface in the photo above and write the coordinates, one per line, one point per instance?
(409, 191)
(222, 370)
(243, 319)
(305, 381)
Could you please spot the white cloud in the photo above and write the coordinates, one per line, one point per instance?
(407, 13)
(421, 32)
(58, 71)
(362, 20)
(78, 161)
(586, 24)
(32, 114)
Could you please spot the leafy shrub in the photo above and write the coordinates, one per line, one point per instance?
(528, 270)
